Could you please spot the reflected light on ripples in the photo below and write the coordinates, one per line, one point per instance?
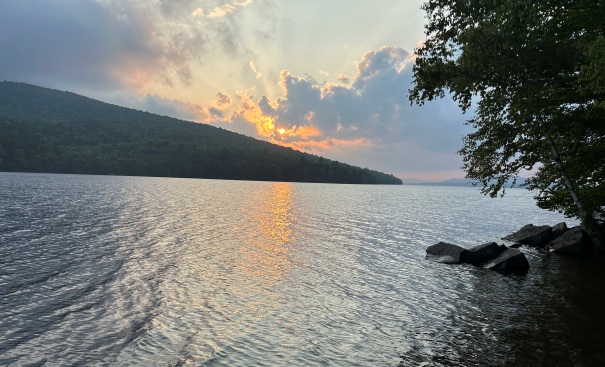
(132, 272)
(266, 250)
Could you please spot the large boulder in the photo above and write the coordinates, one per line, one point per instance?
(446, 253)
(531, 235)
(573, 242)
(482, 253)
(510, 260)
(558, 229)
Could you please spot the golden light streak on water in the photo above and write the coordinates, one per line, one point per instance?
(266, 249)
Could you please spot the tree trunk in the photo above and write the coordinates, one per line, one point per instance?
(587, 221)
(570, 186)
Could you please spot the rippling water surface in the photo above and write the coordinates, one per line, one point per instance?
(119, 271)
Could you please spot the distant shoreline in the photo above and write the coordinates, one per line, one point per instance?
(455, 182)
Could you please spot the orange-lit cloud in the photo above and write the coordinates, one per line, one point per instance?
(306, 137)
(295, 133)
(306, 132)
(324, 145)
(370, 109)
(251, 113)
(265, 124)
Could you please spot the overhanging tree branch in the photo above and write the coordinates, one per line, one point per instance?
(517, 60)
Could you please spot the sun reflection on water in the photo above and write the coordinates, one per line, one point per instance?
(217, 282)
(266, 253)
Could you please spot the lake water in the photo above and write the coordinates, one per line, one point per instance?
(123, 271)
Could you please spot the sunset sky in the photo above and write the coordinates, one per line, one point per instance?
(326, 77)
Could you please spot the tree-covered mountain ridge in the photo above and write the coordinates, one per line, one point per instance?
(47, 130)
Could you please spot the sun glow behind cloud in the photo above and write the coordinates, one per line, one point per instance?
(311, 114)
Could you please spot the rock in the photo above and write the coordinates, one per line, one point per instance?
(510, 260)
(558, 229)
(531, 235)
(482, 253)
(573, 242)
(446, 253)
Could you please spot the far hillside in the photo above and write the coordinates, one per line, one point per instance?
(46, 130)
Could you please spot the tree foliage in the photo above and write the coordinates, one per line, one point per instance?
(534, 74)
(45, 130)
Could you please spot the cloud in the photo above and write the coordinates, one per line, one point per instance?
(218, 109)
(251, 113)
(363, 114)
(170, 107)
(372, 108)
(222, 101)
(344, 79)
(63, 40)
(254, 70)
(199, 12)
(108, 44)
(221, 11)
(89, 46)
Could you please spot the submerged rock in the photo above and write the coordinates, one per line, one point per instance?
(446, 253)
(482, 253)
(531, 235)
(510, 260)
(497, 257)
(573, 242)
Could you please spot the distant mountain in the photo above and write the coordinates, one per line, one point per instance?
(46, 130)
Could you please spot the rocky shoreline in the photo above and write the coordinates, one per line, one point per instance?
(558, 239)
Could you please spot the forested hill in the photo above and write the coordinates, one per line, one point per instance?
(46, 130)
